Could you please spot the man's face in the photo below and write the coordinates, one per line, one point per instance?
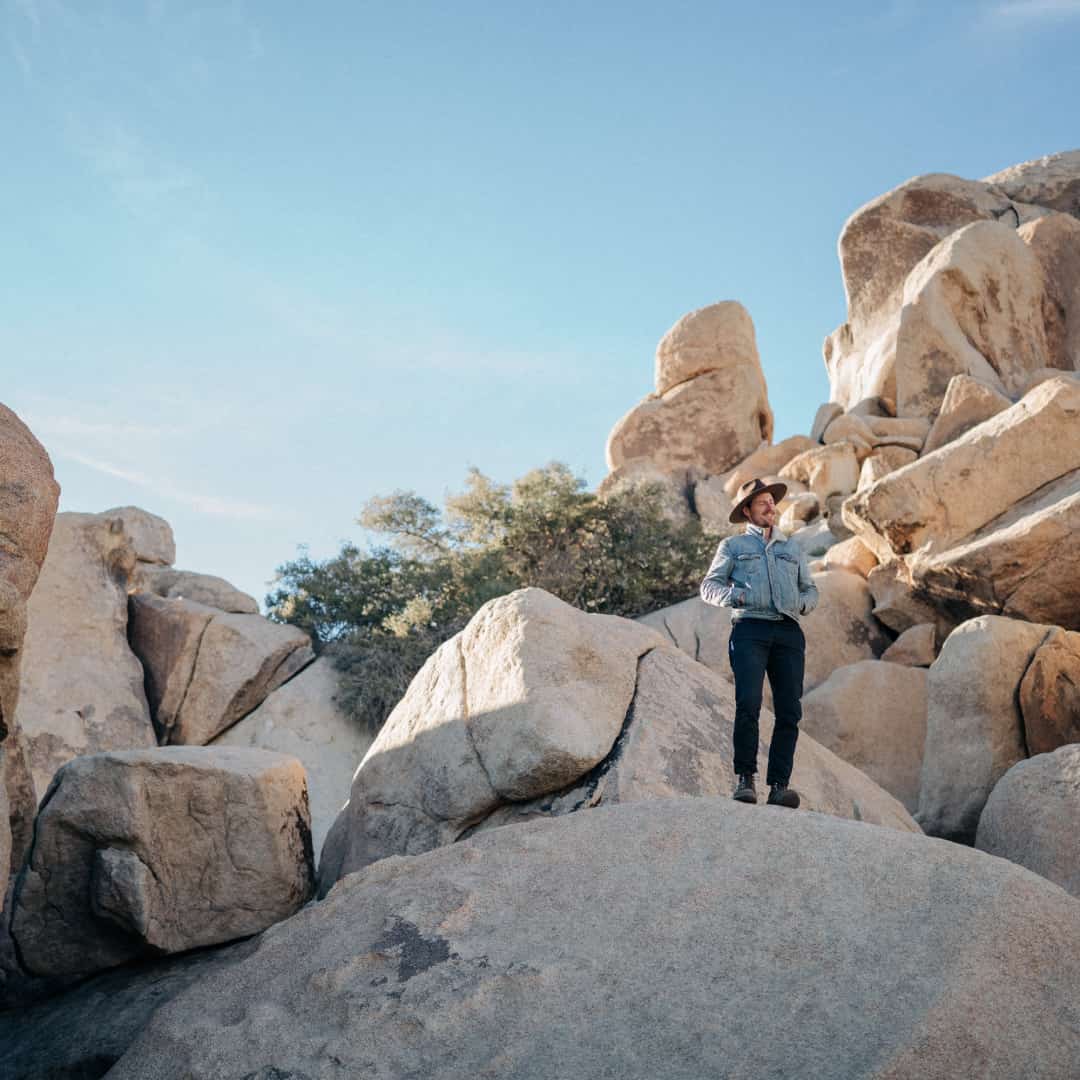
(761, 511)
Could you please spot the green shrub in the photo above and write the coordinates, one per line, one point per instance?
(381, 613)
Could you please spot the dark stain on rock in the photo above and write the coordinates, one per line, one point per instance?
(417, 953)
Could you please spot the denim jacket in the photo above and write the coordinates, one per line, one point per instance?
(759, 580)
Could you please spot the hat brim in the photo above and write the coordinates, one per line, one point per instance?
(778, 491)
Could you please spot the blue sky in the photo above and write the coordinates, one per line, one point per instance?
(266, 260)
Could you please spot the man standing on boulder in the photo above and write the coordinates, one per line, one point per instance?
(764, 577)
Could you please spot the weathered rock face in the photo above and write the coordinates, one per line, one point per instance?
(851, 555)
(882, 461)
(916, 646)
(28, 498)
(1032, 817)
(974, 306)
(712, 422)
(873, 715)
(880, 245)
(711, 409)
(425, 965)
(162, 850)
(81, 685)
(205, 669)
(767, 461)
(85, 1031)
(677, 740)
(900, 605)
(967, 403)
(151, 536)
(1055, 242)
(205, 589)
(301, 719)
(1023, 564)
(1052, 181)
(949, 494)
(536, 700)
(712, 338)
(825, 470)
(974, 731)
(529, 697)
(1050, 694)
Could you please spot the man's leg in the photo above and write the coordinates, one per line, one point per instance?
(748, 651)
(786, 662)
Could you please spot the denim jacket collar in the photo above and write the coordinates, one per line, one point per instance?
(777, 536)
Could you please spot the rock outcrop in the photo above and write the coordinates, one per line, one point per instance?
(593, 945)
(143, 852)
(28, 499)
(206, 669)
(974, 306)
(1049, 693)
(302, 719)
(873, 715)
(710, 409)
(535, 700)
(81, 685)
(974, 730)
(206, 589)
(1032, 817)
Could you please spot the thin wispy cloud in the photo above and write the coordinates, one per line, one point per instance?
(1031, 11)
(200, 502)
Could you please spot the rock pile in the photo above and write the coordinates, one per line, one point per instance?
(545, 818)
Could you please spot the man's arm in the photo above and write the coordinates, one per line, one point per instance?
(718, 589)
(808, 592)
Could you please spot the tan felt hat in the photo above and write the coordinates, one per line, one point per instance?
(746, 494)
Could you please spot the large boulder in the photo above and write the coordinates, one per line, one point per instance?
(81, 685)
(527, 698)
(1055, 242)
(879, 246)
(1032, 817)
(713, 422)
(767, 460)
(1052, 181)
(206, 669)
(302, 719)
(946, 496)
(713, 338)
(974, 728)
(916, 646)
(873, 715)
(711, 407)
(967, 403)
(974, 306)
(535, 700)
(825, 470)
(205, 589)
(28, 498)
(83, 1032)
(1023, 564)
(151, 536)
(677, 740)
(1050, 693)
(676, 939)
(143, 852)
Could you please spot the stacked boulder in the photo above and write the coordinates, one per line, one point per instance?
(537, 709)
(28, 498)
(709, 411)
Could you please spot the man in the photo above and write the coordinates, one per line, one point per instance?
(764, 577)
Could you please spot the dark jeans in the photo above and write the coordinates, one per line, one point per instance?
(758, 646)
